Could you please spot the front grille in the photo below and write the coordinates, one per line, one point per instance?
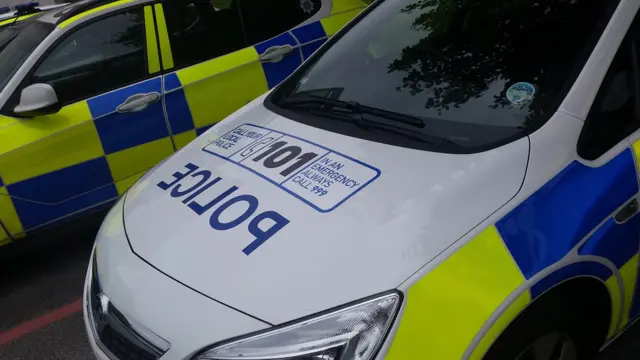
(115, 334)
(122, 348)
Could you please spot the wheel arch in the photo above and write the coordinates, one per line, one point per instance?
(583, 293)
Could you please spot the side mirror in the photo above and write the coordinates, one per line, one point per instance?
(37, 100)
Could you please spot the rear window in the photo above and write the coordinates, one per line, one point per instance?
(449, 76)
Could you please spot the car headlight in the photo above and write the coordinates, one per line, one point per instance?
(354, 332)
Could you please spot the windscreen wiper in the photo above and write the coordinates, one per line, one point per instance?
(358, 115)
(348, 107)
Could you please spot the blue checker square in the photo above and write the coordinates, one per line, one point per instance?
(178, 112)
(34, 214)
(201, 130)
(60, 185)
(309, 32)
(47, 197)
(543, 228)
(171, 82)
(119, 131)
(276, 72)
(585, 268)
(309, 49)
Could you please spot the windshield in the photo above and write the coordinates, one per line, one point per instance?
(16, 44)
(478, 73)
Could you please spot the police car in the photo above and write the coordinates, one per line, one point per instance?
(22, 12)
(435, 182)
(96, 93)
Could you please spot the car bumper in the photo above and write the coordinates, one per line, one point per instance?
(185, 319)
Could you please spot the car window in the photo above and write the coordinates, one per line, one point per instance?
(102, 56)
(458, 79)
(200, 30)
(265, 19)
(614, 113)
(17, 43)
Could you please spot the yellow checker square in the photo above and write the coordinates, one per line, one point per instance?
(128, 162)
(37, 147)
(614, 291)
(629, 272)
(123, 185)
(218, 65)
(500, 325)
(181, 140)
(449, 305)
(163, 36)
(334, 23)
(4, 237)
(340, 6)
(153, 58)
(8, 214)
(213, 99)
(73, 19)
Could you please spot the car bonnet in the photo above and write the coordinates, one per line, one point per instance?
(282, 220)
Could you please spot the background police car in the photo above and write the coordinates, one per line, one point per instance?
(130, 83)
(493, 244)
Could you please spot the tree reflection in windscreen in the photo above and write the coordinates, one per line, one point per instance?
(455, 59)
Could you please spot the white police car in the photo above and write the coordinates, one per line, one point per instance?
(435, 182)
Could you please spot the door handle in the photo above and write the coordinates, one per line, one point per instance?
(627, 211)
(138, 102)
(276, 53)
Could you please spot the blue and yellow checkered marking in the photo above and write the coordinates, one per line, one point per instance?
(68, 162)
(276, 72)
(177, 107)
(203, 94)
(542, 229)
(449, 305)
(311, 36)
(577, 203)
(474, 282)
(88, 154)
(144, 126)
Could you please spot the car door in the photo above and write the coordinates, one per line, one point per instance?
(219, 55)
(110, 129)
(609, 146)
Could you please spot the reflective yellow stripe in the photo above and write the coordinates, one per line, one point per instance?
(52, 143)
(614, 291)
(8, 21)
(130, 161)
(163, 36)
(25, 17)
(7, 121)
(339, 6)
(8, 214)
(4, 237)
(123, 185)
(152, 45)
(72, 19)
(629, 272)
(332, 24)
(218, 87)
(217, 66)
(448, 306)
(181, 140)
(500, 325)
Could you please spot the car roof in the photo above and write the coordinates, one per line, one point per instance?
(13, 13)
(77, 9)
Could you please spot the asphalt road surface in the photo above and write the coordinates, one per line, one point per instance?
(40, 291)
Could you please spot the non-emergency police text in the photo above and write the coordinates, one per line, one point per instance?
(313, 173)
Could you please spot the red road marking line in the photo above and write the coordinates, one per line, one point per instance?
(32, 325)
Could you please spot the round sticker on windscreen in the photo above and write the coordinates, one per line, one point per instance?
(520, 92)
